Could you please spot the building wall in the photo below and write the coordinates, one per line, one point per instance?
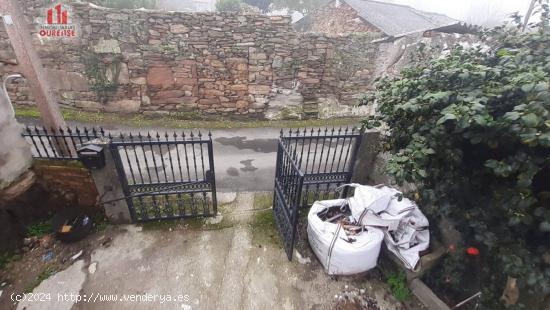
(336, 17)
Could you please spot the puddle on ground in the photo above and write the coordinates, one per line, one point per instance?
(232, 171)
(248, 167)
(257, 145)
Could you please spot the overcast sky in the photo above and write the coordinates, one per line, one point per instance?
(486, 12)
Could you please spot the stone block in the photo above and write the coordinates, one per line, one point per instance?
(241, 104)
(175, 93)
(239, 87)
(123, 106)
(107, 47)
(178, 28)
(116, 16)
(186, 81)
(208, 101)
(259, 89)
(139, 80)
(88, 105)
(160, 77)
(123, 75)
(212, 92)
(258, 56)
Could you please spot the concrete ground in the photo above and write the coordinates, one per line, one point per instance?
(233, 261)
(244, 158)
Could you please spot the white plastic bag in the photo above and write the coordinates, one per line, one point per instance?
(329, 243)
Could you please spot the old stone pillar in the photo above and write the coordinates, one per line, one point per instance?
(110, 189)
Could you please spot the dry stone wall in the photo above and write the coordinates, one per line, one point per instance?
(158, 62)
(176, 62)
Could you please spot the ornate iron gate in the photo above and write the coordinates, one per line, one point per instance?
(166, 177)
(311, 165)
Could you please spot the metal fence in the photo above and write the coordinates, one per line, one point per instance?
(163, 176)
(311, 165)
(166, 176)
(59, 144)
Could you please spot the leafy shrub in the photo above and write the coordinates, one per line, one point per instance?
(228, 5)
(472, 131)
(39, 229)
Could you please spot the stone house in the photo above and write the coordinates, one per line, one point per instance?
(388, 19)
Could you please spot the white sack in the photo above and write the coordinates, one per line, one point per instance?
(338, 256)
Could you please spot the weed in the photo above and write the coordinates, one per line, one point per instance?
(175, 121)
(264, 229)
(39, 229)
(398, 285)
(100, 221)
(263, 201)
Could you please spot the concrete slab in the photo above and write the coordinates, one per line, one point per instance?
(59, 289)
(174, 266)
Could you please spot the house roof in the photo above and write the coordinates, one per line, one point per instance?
(398, 20)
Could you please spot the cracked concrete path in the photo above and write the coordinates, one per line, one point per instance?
(219, 266)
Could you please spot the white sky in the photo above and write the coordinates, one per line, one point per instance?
(486, 12)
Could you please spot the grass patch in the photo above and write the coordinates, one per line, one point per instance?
(264, 228)
(100, 221)
(397, 282)
(39, 229)
(183, 120)
(193, 223)
(46, 273)
(263, 201)
(198, 223)
(38, 163)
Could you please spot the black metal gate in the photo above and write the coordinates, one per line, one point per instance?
(311, 164)
(166, 176)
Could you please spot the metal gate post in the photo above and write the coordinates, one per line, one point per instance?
(353, 159)
(296, 212)
(212, 178)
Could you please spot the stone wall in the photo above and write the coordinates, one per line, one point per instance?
(244, 65)
(176, 62)
(336, 17)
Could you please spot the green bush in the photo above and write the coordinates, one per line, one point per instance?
(472, 131)
(228, 5)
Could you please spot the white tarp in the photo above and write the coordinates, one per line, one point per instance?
(382, 211)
